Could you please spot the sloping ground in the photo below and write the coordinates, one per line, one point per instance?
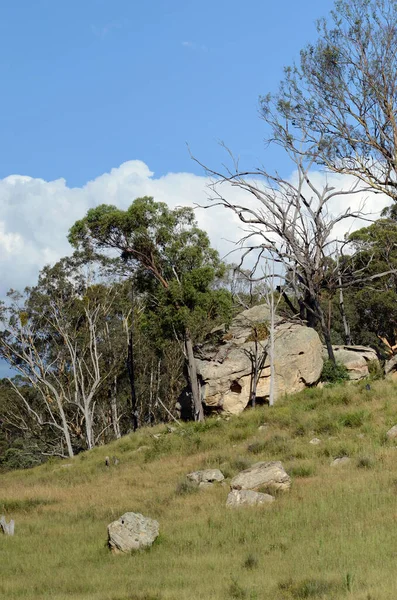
(334, 535)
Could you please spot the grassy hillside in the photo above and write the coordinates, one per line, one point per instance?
(334, 535)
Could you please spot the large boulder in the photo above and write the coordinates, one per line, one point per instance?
(355, 359)
(224, 362)
(132, 531)
(237, 498)
(270, 475)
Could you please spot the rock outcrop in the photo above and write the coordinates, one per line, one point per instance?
(132, 531)
(270, 475)
(225, 362)
(355, 359)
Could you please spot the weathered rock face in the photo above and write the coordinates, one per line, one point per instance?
(225, 365)
(238, 498)
(270, 475)
(355, 359)
(132, 531)
(391, 368)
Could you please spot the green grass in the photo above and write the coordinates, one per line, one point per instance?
(331, 537)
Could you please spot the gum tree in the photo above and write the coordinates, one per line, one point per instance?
(171, 259)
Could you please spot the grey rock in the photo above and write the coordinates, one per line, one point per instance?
(355, 359)
(263, 474)
(205, 485)
(237, 498)
(132, 531)
(341, 462)
(315, 441)
(392, 433)
(206, 476)
(391, 365)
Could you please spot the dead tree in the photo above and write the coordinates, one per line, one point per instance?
(290, 222)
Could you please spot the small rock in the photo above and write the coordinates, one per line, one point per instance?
(205, 484)
(171, 429)
(315, 441)
(132, 531)
(238, 498)
(157, 436)
(340, 462)
(115, 460)
(206, 476)
(321, 384)
(263, 427)
(270, 474)
(142, 448)
(392, 433)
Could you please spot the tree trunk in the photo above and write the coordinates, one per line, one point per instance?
(272, 388)
(343, 313)
(131, 376)
(131, 369)
(254, 376)
(193, 379)
(66, 432)
(326, 333)
(113, 409)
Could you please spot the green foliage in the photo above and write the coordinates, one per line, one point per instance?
(334, 372)
(171, 258)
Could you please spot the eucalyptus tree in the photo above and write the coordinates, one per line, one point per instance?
(342, 95)
(51, 337)
(171, 259)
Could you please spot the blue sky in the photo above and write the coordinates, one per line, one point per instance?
(89, 84)
(100, 97)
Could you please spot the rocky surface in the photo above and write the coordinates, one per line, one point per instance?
(270, 475)
(238, 498)
(208, 476)
(355, 359)
(392, 433)
(341, 462)
(132, 531)
(225, 364)
(391, 368)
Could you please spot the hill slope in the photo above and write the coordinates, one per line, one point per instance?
(334, 535)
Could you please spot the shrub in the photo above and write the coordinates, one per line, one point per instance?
(186, 487)
(334, 372)
(353, 419)
(301, 470)
(365, 462)
(375, 370)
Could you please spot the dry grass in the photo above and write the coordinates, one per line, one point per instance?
(331, 537)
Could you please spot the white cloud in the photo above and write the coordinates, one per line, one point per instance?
(35, 215)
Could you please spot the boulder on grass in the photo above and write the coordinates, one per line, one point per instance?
(238, 498)
(132, 531)
(392, 433)
(270, 475)
(208, 476)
